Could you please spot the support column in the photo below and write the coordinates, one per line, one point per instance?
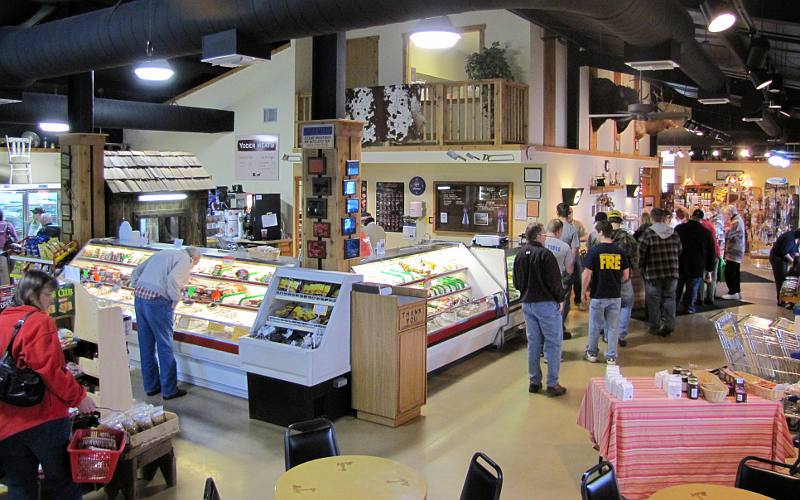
(328, 73)
(80, 103)
(83, 199)
(549, 84)
(573, 96)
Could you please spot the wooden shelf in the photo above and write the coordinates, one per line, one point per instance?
(604, 189)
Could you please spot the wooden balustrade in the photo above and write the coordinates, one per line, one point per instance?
(470, 112)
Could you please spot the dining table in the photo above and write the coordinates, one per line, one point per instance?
(700, 491)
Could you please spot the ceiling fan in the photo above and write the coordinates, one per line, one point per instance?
(642, 110)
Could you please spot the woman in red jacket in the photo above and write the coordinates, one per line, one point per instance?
(39, 434)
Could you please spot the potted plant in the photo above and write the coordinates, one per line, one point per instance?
(489, 63)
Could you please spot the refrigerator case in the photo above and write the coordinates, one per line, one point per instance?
(500, 263)
(12, 203)
(17, 201)
(462, 293)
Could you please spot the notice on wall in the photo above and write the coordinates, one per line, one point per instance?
(466, 207)
(389, 206)
(317, 136)
(257, 157)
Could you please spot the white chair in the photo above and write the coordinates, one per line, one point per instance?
(19, 157)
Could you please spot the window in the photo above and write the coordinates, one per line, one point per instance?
(437, 65)
(667, 177)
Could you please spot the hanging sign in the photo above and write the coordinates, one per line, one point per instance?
(257, 158)
(317, 136)
(777, 180)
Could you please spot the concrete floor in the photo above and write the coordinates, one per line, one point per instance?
(481, 403)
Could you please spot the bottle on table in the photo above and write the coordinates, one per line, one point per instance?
(741, 394)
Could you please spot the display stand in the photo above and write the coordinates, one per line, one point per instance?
(103, 326)
(288, 383)
(499, 262)
(389, 362)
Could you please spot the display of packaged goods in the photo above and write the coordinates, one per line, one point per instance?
(311, 288)
(281, 335)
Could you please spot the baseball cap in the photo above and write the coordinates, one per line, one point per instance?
(614, 214)
(698, 214)
(38, 210)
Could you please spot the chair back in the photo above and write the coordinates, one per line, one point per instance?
(600, 483)
(309, 440)
(19, 149)
(767, 482)
(210, 492)
(482, 483)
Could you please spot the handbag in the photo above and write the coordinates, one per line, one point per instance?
(19, 387)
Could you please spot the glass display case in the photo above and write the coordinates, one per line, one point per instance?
(462, 293)
(220, 302)
(17, 201)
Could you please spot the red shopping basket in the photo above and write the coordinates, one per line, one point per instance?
(94, 465)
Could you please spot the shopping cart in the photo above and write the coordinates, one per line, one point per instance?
(732, 341)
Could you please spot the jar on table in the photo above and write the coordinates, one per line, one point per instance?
(693, 388)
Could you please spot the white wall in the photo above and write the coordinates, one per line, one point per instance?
(46, 168)
(247, 93)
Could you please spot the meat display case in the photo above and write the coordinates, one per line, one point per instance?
(500, 264)
(220, 306)
(466, 303)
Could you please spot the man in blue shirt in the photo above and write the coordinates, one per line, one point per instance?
(782, 255)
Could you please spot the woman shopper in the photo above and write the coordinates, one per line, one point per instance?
(645, 221)
(38, 434)
(734, 253)
(8, 236)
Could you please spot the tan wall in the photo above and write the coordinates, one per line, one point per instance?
(705, 171)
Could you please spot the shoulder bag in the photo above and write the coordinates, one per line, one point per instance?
(19, 387)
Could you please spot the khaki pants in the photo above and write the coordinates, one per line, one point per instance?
(4, 277)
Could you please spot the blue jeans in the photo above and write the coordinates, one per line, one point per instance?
(659, 297)
(687, 292)
(45, 444)
(603, 316)
(626, 308)
(154, 325)
(543, 325)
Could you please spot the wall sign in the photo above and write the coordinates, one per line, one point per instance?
(317, 136)
(777, 180)
(533, 191)
(257, 157)
(469, 207)
(389, 206)
(416, 185)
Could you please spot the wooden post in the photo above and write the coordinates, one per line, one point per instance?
(83, 199)
(347, 135)
(549, 89)
(499, 114)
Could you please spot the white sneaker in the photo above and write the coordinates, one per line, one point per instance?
(591, 358)
(611, 361)
(732, 296)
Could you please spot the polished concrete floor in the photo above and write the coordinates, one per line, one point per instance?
(481, 403)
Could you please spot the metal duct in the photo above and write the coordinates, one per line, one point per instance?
(116, 36)
(110, 113)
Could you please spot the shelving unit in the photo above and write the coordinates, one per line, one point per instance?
(604, 189)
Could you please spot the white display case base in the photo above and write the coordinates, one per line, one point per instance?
(455, 348)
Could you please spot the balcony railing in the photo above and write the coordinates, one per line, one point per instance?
(453, 113)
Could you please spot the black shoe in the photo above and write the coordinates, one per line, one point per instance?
(622, 342)
(178, 394)
(556, 390)
(664, 332)
(567, 335)
(653, 331)
(153, 393)
(534, 388)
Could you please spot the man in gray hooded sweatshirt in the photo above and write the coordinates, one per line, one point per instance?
(659, 248)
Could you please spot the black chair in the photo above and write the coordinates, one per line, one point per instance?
(210, 492)
(600, 483)
(482, 483)
(309, 440)
(767, 482)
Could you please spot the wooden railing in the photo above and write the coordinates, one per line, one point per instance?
(471, 112)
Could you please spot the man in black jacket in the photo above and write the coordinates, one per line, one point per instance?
(697, 256)
(538, 278)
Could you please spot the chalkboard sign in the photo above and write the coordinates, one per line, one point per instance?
(389, 206)
(472, 207)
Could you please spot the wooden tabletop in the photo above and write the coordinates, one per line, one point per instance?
(351, 477)
(694, 491)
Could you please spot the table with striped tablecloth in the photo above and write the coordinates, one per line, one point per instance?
(655, 442)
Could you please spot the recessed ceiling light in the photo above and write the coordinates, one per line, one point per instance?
(744, 153)
(435, 33)
(155, 70)
(715, 152)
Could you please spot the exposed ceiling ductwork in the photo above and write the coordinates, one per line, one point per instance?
(116, 36)
(110, 113)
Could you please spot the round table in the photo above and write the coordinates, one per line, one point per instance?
(351, 477)
(699, 491)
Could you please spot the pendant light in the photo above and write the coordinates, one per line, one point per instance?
(718, 14)
(53, 126)
(435, 33)
(153, 70)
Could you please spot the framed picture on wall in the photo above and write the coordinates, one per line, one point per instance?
(533, 174)
(724, 174)
(533, 191)
(649, 201)
(322, 230)
(533, 208)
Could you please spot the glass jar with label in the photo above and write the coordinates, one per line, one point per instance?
(741, 394)
(692, 388)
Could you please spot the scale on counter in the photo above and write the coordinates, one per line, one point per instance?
(490, 240)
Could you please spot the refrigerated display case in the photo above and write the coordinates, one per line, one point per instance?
(220, 305)
(17, 201)
(466, 304)
(500, 264)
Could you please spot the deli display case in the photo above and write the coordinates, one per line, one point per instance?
(500, 264)
(466, 304)
(220, 305)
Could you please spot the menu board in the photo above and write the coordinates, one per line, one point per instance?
(472, 207)
(389, 206)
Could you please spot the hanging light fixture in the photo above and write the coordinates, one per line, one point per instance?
(744, 153)
(54, 126)
(155, 70)
(759, 78)
(435, 33)
(718, 14)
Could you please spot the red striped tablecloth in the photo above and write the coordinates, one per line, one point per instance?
(655, 442)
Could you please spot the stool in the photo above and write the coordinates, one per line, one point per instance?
(150, 457)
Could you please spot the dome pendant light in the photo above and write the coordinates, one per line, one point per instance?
(435, 33)
(53, 126)
(156, 70)
(719, 15)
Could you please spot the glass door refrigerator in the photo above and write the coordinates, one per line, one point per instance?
(12, 203)
(17, 201)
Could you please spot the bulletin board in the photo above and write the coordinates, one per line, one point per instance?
(473, 207)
